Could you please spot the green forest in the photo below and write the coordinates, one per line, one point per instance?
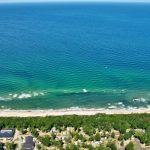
(101, 121)
(126, 125)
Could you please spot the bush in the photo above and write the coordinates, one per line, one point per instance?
(129, 146)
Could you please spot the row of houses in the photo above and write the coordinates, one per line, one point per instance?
(8, 135)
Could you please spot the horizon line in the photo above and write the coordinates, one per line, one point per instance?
(74, 1)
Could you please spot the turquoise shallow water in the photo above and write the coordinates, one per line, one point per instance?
(74, 55)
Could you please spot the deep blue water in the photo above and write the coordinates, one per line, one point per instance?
(74, 55)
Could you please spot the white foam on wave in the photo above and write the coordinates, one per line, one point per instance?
(4, 98)
(75, 108)
(41, 93)
(85, 90)
(15, 95)
(24, 95)
(1, 98)
(120, 104)
(29, 95)
(35, 94)
(115, 91)
(116, 105)
(131, 107)
(112, 107)
(2, 107)
(141, 99)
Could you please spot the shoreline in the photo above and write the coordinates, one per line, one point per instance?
(60, 112)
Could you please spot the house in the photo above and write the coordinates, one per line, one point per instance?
(7, 133)
(29, 144)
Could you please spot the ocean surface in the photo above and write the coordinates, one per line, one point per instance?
(74, 55)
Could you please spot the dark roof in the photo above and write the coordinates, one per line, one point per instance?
(29, 144)
(7, 133)
(29, 139)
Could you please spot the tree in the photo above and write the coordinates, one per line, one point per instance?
(129, 146)
(39, 147)
(89, 147)
(72, 147)
(76, 136)
(35, 133)
(80, 137)
(121, 137)
(147, 138)
(10, 146)
(113, 134)
(68, 139)
(143, 137)
(1, 146)
(89, 130)
(57, 143)
(122, 143)
(24, 131)
(103, 148)
(91, 138)
(127, 135)
(112, 146)
(45, 140)
(97, 137)
(53, 136)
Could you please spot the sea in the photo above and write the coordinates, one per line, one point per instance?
(74, 55)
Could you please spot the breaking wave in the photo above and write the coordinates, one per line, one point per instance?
(115, 105)
(141, 99)
(25, 95)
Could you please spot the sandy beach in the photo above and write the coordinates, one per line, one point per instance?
(50, 112)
